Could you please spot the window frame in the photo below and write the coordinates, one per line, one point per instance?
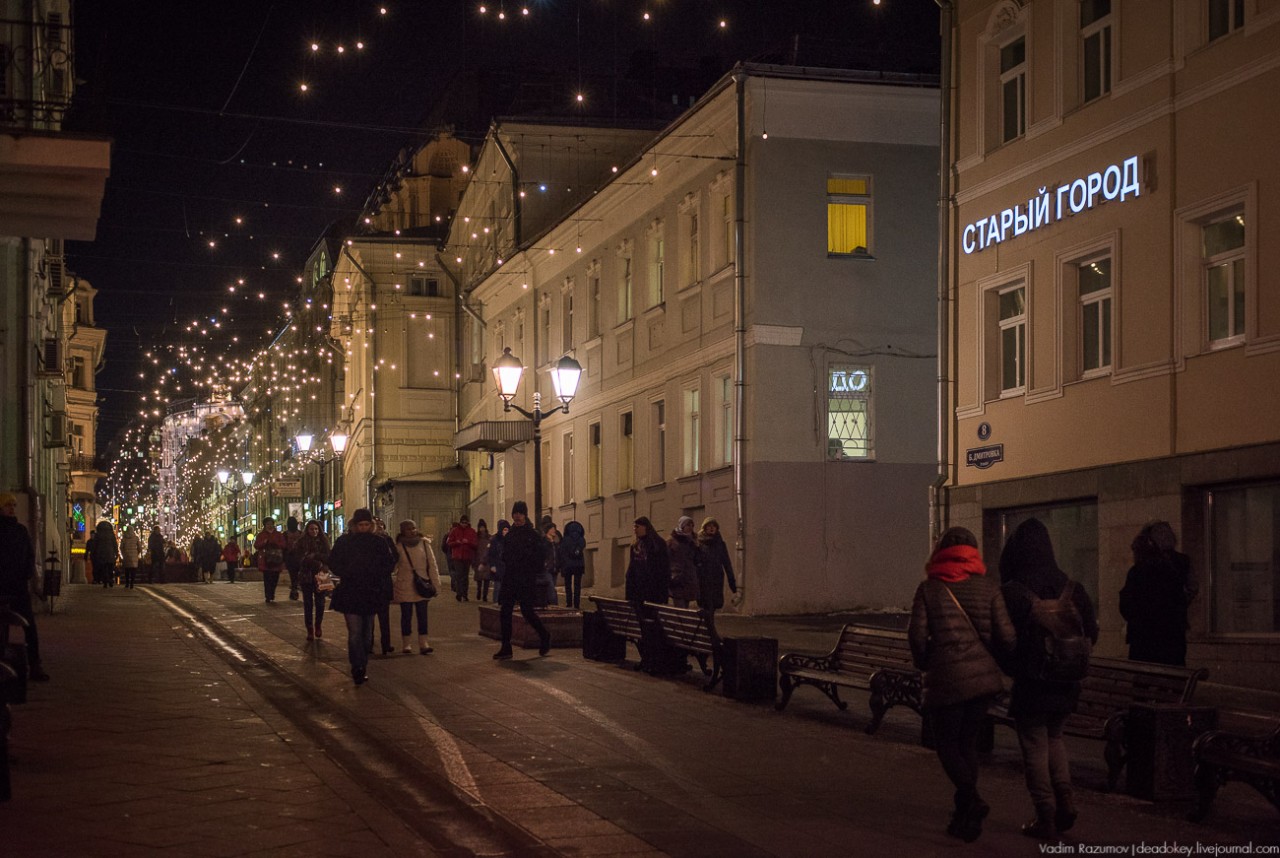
(656, 259)
(691, 428)
(566, 316)
(1234, 18)
(1107, 317)
(1226, 260)
(1102, 28)
(593, 299)
(626, 282)
(566, 451)
(1212, 500)
(626, 450)
(595, 460)
(722, 452)
(865, 201)
(837, 388)
(657, 441)
(1018, 324)
(1015, 74)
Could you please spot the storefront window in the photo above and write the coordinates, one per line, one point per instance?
(1244, 559)
(1073, 529)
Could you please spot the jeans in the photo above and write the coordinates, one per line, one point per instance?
(270, 579)
(573, 590)
(956, 729)
(459, 571)
(482, 590)
(1044, 759)
(407, 610)
(130, 573)
(359, 641)
(312, 598)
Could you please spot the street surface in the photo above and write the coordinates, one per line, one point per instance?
(197, 720)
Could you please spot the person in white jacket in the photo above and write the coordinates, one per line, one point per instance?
(414, 557)
(130, 555)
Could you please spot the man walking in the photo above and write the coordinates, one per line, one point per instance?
(523, 557)
(17, 568)
(269, 546)
(461, 544)
(363, 562)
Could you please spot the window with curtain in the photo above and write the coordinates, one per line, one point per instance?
(1224, 271)
(848, 215)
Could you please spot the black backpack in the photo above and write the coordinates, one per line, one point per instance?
(1059, 649)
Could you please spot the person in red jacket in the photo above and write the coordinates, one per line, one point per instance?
(461, 544)
(270, 547)
(231, 556)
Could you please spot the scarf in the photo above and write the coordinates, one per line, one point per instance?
(955, 564)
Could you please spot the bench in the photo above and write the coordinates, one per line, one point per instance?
(1223, 756)
(620, 617)
(873, 659)
(12, 690)
(1106, 693)
(690, 631)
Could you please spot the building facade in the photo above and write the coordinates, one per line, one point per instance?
(1115, 316)
(751, 295)
(85, 350)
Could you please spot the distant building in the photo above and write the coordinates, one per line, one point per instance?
(1114, 320)
(751, 294)
(85, 349)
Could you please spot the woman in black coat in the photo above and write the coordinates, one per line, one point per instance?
(716, 567)
(649, 580)
(1039, 707)
(1156, 593)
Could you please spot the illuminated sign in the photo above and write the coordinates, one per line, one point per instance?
(1116, 182)
(849, 381)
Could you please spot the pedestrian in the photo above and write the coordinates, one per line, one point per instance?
(363, 560)
(523, 556)
(155, 552)
(573, 560)
(648, 579)
(686, 561)
(130, 555)
(495, 557)
(1155, 597)
(482, 569)
(715, 569)
(105, 552)
(312, 549)
(205, 552)
(958, 627)
(292, 560)
(384, 613)
(17, 568)
(415, 558)
(460, 545)
(545, 594)
(231, 557)
(1029, 573)
(269, 547)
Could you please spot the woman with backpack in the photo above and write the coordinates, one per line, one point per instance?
(1048, 610)
(572, 558)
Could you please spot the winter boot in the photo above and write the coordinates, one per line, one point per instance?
(424, 648)
(1042, 827)
(1065, 817)
(406, 649)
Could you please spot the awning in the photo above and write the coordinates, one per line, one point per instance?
(493, 436)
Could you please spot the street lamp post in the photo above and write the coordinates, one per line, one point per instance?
(507, 371)
(246, 477)
(338, 441)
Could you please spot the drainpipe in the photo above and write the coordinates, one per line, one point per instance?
(373, 378)
(939, 510)
(739, 320)
(470, 311)
(515, 187)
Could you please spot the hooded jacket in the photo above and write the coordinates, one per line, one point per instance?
(572, 549)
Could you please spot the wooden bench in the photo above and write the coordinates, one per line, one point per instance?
(620, 618)
(693, 632)
(873, 659)
(12, 690)
(1107, 692)
(1223, 756)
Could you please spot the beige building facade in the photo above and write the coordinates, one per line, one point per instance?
(1115, 313)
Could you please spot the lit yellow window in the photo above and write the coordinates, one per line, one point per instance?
(848, 215)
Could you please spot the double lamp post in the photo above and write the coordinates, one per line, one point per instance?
(224, 476)
(337, 440)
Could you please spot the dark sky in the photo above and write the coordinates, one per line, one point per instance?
(209, 122)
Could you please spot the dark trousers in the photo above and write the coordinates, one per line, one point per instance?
(956, 729)
(270, 580)
(384, 628)
(407, 611)
(482, 590)
(573, 590)
(459, 572)
(293, 584)
(312, 607)
(156, 574)
(526, 611)
(231, 572)
(130, 574)
(23, 609)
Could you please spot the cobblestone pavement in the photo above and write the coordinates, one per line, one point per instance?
(197, 720)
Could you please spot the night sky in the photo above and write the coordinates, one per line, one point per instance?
(209, 122)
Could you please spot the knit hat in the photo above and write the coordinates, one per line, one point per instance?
(682, 520)
(520, 508)
(360, 515)
(407, 525)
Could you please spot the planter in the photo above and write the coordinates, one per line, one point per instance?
(565, 625)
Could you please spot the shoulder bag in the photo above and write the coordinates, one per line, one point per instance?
(422, 586)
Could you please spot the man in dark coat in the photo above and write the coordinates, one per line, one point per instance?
(363, 562)
(523, 558)
(155, 548)
(1155, 597)
(17, 568)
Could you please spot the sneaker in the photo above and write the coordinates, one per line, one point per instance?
(360, 678)
(545, 647)
(408, 650)
(426, 650)
(503, 654)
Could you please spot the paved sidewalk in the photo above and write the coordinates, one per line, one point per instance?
(145, 742)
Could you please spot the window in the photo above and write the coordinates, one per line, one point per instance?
(726, 229)
(567, 447)
(1225, 16)
(1095, 36)
(594, 483)
(1013, 339)
(566, 319)
(1094, 278)
(1073, 531)
(625, 283)
(723, 451)
(657, 264)
(593, 299)
(658, 447)
(424, 287)
(690, 256)
(79, 373)
(692, 430)
(544, 330)
(626, 451)
(1013, 89)
(848, 215)
(546, 469)
(849, 435)
(1244, 542)
(1224, 252)
(501, 479)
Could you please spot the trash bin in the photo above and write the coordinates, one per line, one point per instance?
(1160, 764)
(598, 642)
(750, 668)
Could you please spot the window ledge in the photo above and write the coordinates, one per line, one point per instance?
(656, 310)
(863, 256)
(1222, 345)
(656, 487)
(624, 493)
(690, 478)
(623, 327)
(595, 501)
(854, 459)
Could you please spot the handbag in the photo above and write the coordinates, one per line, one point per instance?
(422, 586)
(325, 581)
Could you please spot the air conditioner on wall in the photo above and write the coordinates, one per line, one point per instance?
(57, 436)
(56, 271)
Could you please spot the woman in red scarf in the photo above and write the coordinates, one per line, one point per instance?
(959, 626)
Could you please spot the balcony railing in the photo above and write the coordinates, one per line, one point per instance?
(36, 73)
(81, 462)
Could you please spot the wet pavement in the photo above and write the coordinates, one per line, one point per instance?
(191, 719)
